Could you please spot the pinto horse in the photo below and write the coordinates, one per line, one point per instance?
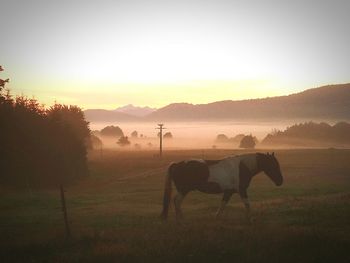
(228, 176)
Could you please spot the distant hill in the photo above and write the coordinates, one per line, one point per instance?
(311, 134)
(330, 102)
(98, 115)
(327, 102)
(135, 110)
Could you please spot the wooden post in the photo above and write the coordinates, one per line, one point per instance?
(64, 210)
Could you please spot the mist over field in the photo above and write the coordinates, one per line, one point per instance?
(203, 135)
(192, 134)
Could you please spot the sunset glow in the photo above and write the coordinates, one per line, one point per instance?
(111, 53)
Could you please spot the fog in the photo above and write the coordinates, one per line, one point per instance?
(187, 134)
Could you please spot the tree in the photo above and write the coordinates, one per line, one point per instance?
(168, 135)
(41, 146)
(70, 132)
(237, 138)
(3, 81)
(221, 138)
(134, 134)
(123, 141)
(112, 131)
(247, 142)
(311, 134)
(95, 142)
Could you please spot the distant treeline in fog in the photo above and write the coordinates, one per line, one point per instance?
(311, 134)
(40, 146)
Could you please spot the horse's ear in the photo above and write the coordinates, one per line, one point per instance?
(273, 154)
(267, 154)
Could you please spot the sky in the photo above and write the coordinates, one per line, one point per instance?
(105, 54)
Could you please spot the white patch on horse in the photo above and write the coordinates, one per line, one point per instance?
(226, 172)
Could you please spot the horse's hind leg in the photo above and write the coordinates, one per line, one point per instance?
(178, 201)
(226, 197)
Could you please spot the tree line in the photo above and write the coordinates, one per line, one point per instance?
(310, 132)
(41, 146)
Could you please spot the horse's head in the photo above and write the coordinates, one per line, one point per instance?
(271, 168)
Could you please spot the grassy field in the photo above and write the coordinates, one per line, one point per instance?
(114, 214)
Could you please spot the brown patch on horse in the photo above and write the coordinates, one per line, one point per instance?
(193, 175)
(189, 175)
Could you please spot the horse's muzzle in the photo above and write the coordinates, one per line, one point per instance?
(279, 182)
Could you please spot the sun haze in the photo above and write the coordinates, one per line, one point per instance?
(103, 54)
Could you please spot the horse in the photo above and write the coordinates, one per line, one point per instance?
(227, 176)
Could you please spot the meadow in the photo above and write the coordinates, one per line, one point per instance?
(114, 214)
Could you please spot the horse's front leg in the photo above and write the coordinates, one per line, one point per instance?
(244, 197)
(226, 197)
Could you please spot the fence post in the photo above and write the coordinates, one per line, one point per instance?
(64, 210)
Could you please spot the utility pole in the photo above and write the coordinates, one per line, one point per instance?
(160, 128)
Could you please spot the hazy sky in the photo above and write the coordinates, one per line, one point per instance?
(104, 54)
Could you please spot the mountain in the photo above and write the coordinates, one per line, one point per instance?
(98, 115)
(327, 103)
(330, 102)
(135, 111)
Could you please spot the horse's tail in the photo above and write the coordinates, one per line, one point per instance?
(167, 192)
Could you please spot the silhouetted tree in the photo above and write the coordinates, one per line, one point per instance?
(168, 135)
(95, 142)
(311, 134)
(2, 81)
(221, 138)
(41, 146)
(123, 141)
(134, 134)
(112, 131)
(247, 142)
